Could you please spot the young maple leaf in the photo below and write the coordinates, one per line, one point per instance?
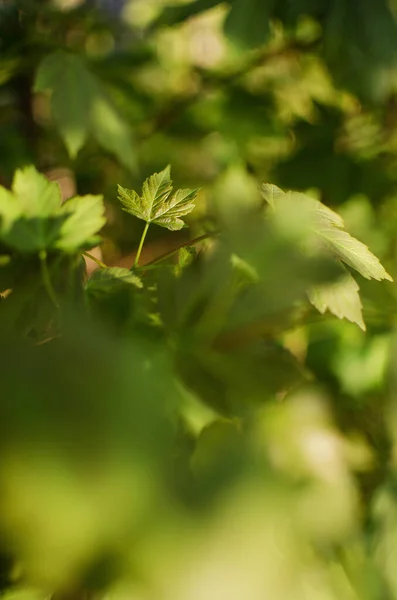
(158, 204)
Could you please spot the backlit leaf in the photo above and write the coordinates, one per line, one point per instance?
(158, 204)
(84, 218)
(36, 195)
(341, 298)
(354, 253)
(328, 228)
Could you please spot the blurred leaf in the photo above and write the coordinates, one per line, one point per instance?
(327, 226)
(341, 298)
(157, 205)
(10, 209)
(30, 214)
(30, 235)
(253, 371)
(80, 106)
(111, 131)
(112, 279)
(185, 256)
(354, 253)
(319, 143)
(173, 14)
(248, 21)
(73, 90)
(83, 218)
(37, 196)
(360, 46)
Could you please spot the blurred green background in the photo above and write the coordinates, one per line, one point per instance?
(122, 474)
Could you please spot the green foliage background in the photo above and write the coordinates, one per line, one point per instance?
(211, 412)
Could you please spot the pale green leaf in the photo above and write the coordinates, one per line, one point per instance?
(353, 253)
(318, 211)
(85, 217)
(10, 209)
(157, 204)
(35, 194)
(271, 194)
(155, 191)
(30, 214)
(341, 298)
(179, 205)
(327, 227)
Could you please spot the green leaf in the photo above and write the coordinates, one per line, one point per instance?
(360, 46)
(341, 298)
(111, 280)
(157, 205)
(328, 228)
(35, 194)
(30, 214)
(80, 107)
(313, 208)
(73, 90)
(179, 205)
(177, 13)
(111, 131)
(354, 253)
(248, 22)
(31, 235)
(84, 218)
(186, 255)
(10, 209)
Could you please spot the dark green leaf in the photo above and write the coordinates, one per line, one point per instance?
(248, 22)
(74, 89)
(111, 280)
(80, 107)
(178, 13)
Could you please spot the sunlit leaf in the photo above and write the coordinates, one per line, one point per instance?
(328, 228)
(341, 298)
(158, 204)
(354, 253)
(84, 218)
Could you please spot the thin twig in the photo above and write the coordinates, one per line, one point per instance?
(96, 260)
(193, 242)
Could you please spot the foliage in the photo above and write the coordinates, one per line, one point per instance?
(203, 409)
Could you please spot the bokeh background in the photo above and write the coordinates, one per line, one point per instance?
(298, 500)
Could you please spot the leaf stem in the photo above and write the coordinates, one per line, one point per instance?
(96, 260)
(45, 274)
(138, 252)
